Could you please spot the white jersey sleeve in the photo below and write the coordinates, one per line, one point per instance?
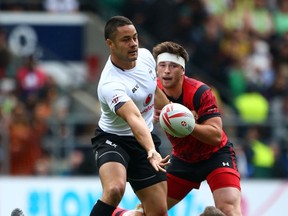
(113, 93)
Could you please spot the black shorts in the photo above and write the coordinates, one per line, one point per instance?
(127, 151)
(198, 172)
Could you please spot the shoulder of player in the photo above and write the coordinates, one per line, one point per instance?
(144, 53)
(194, 82)
(110, 78)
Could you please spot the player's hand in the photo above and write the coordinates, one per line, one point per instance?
(157, 161)
(156, 116)
(195, 115)
(165, 161)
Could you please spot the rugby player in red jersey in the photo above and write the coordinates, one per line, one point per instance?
(205, 154)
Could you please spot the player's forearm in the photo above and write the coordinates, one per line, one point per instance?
(142, 133)
(207, 134)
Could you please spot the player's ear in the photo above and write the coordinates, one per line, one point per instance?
(109, 42)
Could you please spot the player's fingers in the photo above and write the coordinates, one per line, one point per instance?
(156, 167)
(155, 119)
(164, 164)
(166, 159)
(157, 112)
(154, 164)
(156, 115)
(161, 168)
(195, 115)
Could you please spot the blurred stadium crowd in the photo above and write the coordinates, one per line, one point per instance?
(239, 47)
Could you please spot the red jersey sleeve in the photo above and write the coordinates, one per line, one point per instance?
(208, 106)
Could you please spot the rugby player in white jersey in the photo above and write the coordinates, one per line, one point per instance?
(125, 148)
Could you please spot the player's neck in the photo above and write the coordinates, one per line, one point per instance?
(123, 65)
(174, 93)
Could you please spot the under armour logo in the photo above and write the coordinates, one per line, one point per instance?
(225, 164)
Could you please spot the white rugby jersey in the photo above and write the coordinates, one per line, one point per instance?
(115, 86)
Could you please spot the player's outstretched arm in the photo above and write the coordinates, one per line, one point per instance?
(131, 114)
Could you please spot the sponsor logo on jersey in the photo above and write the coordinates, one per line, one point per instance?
(115, 99)
(111, 143)
(147, 109)
(134, 89)
(148, 100)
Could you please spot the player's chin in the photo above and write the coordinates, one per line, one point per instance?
(133, 56)
(165, 82)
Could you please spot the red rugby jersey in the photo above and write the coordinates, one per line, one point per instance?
(199, 97)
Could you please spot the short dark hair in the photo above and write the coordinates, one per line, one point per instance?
(113, 23)
(170, 47)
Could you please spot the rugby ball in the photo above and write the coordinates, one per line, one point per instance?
(177, 120)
